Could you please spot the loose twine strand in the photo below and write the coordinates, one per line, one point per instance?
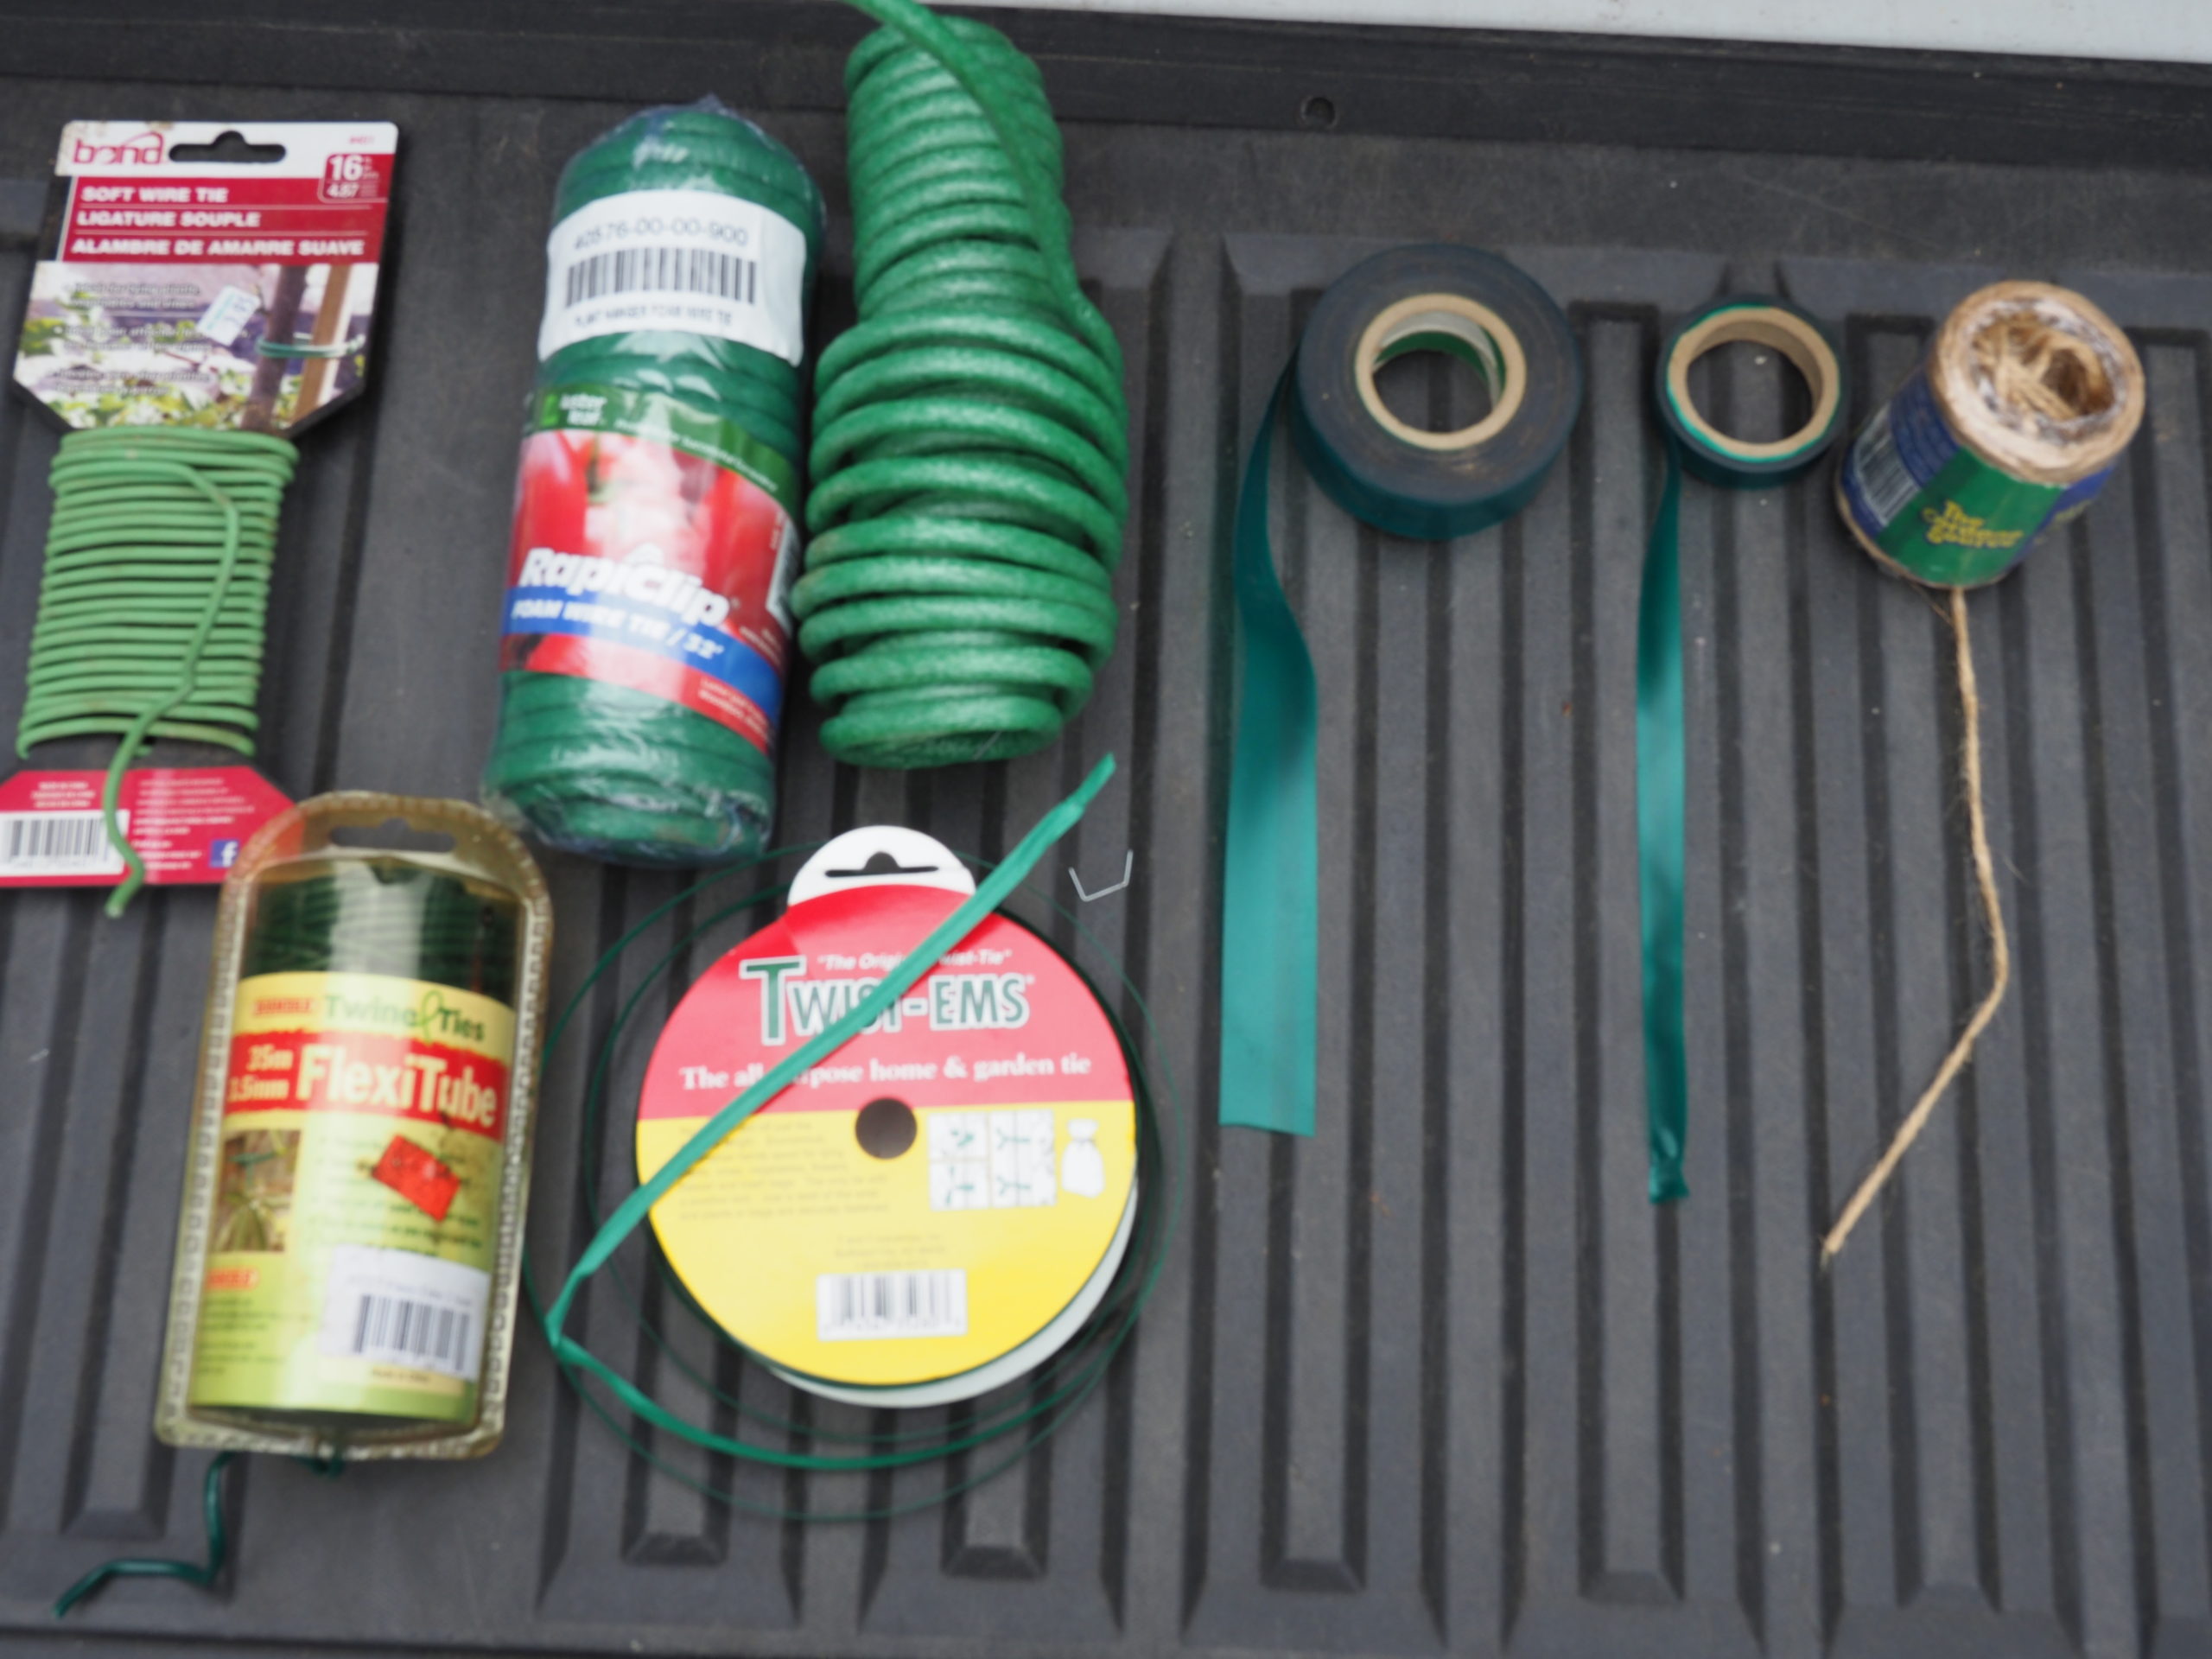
(2001, 954)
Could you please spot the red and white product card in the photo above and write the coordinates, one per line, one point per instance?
(188, 823)
(212, 272)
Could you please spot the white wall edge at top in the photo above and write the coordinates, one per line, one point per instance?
(2170, 31)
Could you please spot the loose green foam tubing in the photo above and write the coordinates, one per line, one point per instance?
(151, 609)
(970, 436)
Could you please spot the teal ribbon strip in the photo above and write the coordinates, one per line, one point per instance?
(632, 1211)
(1271, 918)
(1660, 785)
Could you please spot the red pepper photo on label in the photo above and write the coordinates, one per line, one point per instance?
(418, 1176)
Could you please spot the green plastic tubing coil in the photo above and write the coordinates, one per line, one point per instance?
(385, 915)
(970, 437)
(602, 769)
(150, 608)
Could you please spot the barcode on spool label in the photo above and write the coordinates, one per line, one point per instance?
(400, 1307)
(663, 271)
(858, 1306)
(58, 843)
(1884, 479)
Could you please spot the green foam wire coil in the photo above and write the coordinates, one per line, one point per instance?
(971, 439)
(599, 768)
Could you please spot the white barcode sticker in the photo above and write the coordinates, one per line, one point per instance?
(1884, 479)
(687, 261)
(59, 844)
(865, 1306)
(400, 1307)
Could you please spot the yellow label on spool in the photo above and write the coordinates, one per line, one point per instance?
(932, 1197)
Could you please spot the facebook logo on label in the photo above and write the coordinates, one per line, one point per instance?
(221, 854)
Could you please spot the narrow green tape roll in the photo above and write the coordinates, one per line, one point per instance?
(1695, 445)
(1431, 486)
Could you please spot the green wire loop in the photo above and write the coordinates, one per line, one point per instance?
(150, 608)
(970, 435)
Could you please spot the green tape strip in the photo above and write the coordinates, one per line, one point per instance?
(1271, 874)
(1661, 774)
(1270, 897)
(1661, 746)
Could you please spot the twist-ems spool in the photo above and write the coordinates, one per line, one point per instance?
(957, 1184)
(1400, 479)
(1695, 444)
(1008, 1426)
(2012, 424)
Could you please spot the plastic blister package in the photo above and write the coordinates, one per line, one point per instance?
(351, 1238)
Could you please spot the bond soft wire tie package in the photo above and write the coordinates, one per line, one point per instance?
(207, 290)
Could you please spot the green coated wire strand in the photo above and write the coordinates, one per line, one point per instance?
(151, 604)
(599, 768)
(203, 1574)
(218, 1539)
(970, 435)
(1028, 1410)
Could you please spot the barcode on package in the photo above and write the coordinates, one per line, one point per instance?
(663, 271)
(691, 261)
(400, 1307)
(1885, 481)
(861, 1306)
(399, 1332)
(58, 843)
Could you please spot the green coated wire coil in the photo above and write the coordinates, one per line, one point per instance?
(389, 915)
(599, 768)
(150, 613)
(970, 435)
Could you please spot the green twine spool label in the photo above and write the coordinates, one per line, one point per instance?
(1940, 513)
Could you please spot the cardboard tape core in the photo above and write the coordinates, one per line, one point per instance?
(1795, 338)
(1444, 322)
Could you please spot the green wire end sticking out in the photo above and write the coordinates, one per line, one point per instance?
(219, 1549)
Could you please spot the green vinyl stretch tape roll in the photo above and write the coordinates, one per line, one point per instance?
(1696, 446)
(1400, 479)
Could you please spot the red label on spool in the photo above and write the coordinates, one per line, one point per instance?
(645, 556)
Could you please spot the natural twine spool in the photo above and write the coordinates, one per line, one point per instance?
(2041, 385)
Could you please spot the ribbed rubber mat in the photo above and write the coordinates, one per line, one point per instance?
(1440, 1379)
